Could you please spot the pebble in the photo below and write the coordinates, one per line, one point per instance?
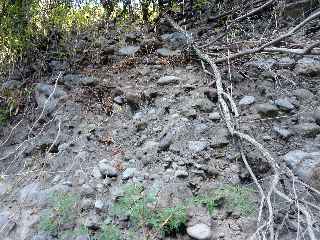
(181, 174)
(316, 116)
(96, 173)
(106, 169)
(308, 66)
(199, 231)
(267, 110)
(282, 132)
(197, 146)
(203, 104)
(302, 94)
(119, 100)
(99, 204)
(129, 173)
(168, 80)
(82, 237)
(305, 165)
(42, 236)
(165, 52)
(307, 129)
(285, 62)
(215, 116)
(72, 80)
(86, 204)
(247, 100)
(92, 222)
(11, 84)
(129, 51)
(32, 194)
(284, 104)
(86, 190)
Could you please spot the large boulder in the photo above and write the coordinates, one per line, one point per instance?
(305, 165)
(267, 110)
(48, 97)
(32, 195)
(129, 51)
(307, 129)
(308, 66)
(177, 39)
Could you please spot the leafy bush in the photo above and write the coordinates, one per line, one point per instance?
(29, 25)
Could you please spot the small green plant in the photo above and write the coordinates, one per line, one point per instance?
(48, 224)
(4, 115)
(63, 211)
(109, 232)
(135, 203)
(170, 220)
(238, 198)
(210, 202)
(72, 234)
(200, 4)
(64, 205)
(231, 197)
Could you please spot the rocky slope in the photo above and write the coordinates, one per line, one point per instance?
(149, 117)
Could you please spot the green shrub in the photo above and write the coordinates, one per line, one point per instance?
(26, 26)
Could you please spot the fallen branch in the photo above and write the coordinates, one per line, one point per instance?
(254, 11)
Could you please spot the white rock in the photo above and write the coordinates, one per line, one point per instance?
(199, 231)
(128, 173)
(99, 204)
(181, 174)
(197, 146)
(247, 100)
(129, 51)
(106, 169)
(96, 173)
(214, 116)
